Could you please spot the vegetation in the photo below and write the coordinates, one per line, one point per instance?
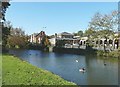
(103, 26)
(104, 22)
(17, 39)
(5, 30)
(45, 43)
(114, 54)
(5, 33)
(60, 43)
(90, 32)
(17, 42)
(100, 26)
(0, 70)
(17, 72)
(79, 33)
(4, 6)
(11, 37)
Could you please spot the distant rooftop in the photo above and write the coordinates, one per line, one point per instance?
(66, 33)
(35, 34)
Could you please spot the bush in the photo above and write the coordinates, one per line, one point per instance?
(100, 53)
(115, 54)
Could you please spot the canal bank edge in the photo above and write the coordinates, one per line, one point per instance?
(88, 51)
(18, 72)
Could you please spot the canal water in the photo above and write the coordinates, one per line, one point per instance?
(97, 71)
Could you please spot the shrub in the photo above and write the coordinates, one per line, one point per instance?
(100, 53)
(114, 54)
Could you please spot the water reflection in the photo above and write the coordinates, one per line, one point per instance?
(65, 65)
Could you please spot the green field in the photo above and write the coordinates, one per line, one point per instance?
(0, 70)
(18, 72)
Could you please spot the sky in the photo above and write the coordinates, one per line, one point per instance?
(55, 17)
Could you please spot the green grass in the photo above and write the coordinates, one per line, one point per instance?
(0, 70)
(18, 72)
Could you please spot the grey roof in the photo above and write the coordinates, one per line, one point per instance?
(66, 33)
(35, 34)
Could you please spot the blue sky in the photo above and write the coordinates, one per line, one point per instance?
(55, 16)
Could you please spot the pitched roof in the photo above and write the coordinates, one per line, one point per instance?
(40, 34)
(35, 34)
(66, 33)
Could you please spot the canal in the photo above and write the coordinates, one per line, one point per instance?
(97, 70)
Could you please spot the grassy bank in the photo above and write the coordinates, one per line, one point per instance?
(17, 72)
(0, 70)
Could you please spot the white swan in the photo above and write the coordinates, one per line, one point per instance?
(82, 70)
(77, 61)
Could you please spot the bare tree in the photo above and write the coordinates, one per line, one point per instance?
(104, 25)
